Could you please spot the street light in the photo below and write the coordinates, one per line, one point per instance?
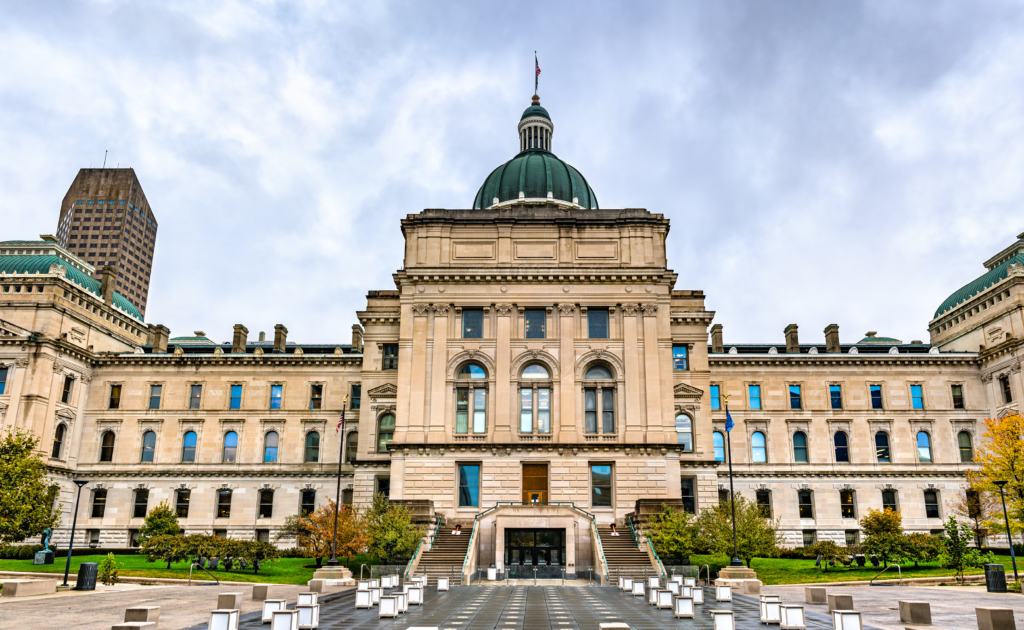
(736, 562)
(333, 562)
(1009, 535)
(74, 521)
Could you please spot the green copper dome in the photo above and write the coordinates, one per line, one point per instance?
(972, 289)
(535, 110)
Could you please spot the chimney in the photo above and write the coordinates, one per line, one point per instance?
(716, 338)
(263, 336)
(108, 283)
(239, 340)
(280, 337)
(832, 338)
(158, 334)
(792, 340)
(357, 338)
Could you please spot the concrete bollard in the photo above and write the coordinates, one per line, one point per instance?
(839, 602)
(815, 595)
(995, 619)
(27, 588)
(260, 592)
(142, 613)
(229, 601)
(916, 612)
(135, 625)
(315, 586)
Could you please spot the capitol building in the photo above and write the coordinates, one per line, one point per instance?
(534, 374)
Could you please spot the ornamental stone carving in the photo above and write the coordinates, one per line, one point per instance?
(503, 310)
(441, 310)
(629, 310)
(649, 309)
(566, 309)
(420, 310)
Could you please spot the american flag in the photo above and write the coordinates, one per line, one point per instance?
(536, 78)
(341, 421)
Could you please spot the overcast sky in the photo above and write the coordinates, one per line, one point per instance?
(821, 162)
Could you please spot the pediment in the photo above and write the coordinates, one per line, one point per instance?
(387, 390)
(682, 390)
(7, 329)
(66, 414)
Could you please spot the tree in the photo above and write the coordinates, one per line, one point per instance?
(673, 533)
(757, 536)
(829, 552)
(1001, 456)
(313, 533)
(255, 552)
(161, 521)
(884, 535)
(393, 536)
(977, 507)
(168, 548)
(922, 547)
(956, 552)
(109, 570)
(27, 497)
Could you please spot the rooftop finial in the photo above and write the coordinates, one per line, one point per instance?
(536, 100)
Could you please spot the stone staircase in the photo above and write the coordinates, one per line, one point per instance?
(449, 551)
(622, 556)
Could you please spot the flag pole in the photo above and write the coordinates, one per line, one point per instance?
(333, 562)
(736, 562)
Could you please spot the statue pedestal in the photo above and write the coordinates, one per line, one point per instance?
(339, 573)
(43, 557)
(741, 579)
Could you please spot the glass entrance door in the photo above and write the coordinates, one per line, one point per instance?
(541, 548)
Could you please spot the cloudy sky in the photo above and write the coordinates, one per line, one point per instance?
(821, 162)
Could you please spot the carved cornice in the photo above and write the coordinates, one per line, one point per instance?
(503, 310)
(630, 310)
(566, 310)
(387, 390)
(650, 310)
(682, 390)
(420, 310)
(441, 310)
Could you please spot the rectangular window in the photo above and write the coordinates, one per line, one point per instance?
(316, 396)
(384, 486)
(810, 537)
(723, 497)
(462, 410)
(544, 410)
(308, 505)
(526, 411)
(889, 500)
(958, 396)
(835, 392)
(155, 392)
(689, 504)
(115, 397)
(534, 323)
(597, 323)
(141, 504)
(852, 537)
(931, 504)
(357, 392)
(263, 535)
(917, 396)
(236, 397)
(181, 499)
(346, 497)
(754, 396)
(716, 401)
(275, 396)
(266, 504)
(764, 502)
(601, 486)
(469, 485)
(99, 503)
(223, 504)
(479, 411)
(608, 411)
(390, 357)
(680, 358)
(590, 411)
(195, 397)
(804, 502)
(65, 396)
(472, 323)
(3, 379)
(1004, 386)
(876, 396)
(846, 504)
(794, 397)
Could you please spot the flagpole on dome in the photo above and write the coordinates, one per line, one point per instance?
(736, 562)
(536, 74)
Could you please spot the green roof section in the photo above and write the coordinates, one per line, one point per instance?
(41, 264)
(535, 110)
(976, 287)
(535, 173)
(873, 338)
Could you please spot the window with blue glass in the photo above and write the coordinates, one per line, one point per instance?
(472, 323)
(842, 446)
(917, 396)
(3, 379)
(718, 442)
(270, 447)
(535, 323)
(680, 359)
(754, 396)
(758, 448)
(601, 486)
(469, 485)
(188, 447)
(275, 396)
(795, 401)
(924, 447)
(876, 396)
(236, 397)
(597, 323)
(716, 402)
(835, 393)
(800, 447)
(148, 446)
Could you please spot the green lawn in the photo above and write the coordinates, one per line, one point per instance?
(777, 571)
(283, 571)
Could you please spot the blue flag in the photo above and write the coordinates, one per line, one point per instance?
(728, 420)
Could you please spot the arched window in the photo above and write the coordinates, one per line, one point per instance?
(230, 447)
(718, 441)
(270, 448)
(599, 400)
(351, 446)
(386, 432)
(758, 448)
(470, 401)
(800, 447)
(148, 446)
(188, 447)
(882, 447)
(312, 447)
(107, 447)
(842, 445)
(924, 447)
(58, 441)
(535, 400)
(684, 431)
(966, 447)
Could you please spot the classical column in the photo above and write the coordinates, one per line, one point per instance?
(567, 429)
(631, 356)
(502, 376)
(653, 422)
(418, 375)
(437, 431)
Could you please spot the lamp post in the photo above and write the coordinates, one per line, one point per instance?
(1009, 535)
(333, 562)
(74, 522)
(736, 562)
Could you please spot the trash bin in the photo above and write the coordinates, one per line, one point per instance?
(995, 578)
(87, 572)
(492, 573)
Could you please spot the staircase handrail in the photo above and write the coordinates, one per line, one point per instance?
(437, 530)
(472, 539)
(595, 535)
(632, 531)
(650, 545)
(408, 567)
(872, 580)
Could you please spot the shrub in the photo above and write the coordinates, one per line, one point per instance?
(109, 570)
(161, 521)
(885, 539)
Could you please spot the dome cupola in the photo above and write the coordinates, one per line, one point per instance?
(535, 175)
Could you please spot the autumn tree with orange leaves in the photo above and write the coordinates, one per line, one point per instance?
(1001, 456)
(314, 532)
